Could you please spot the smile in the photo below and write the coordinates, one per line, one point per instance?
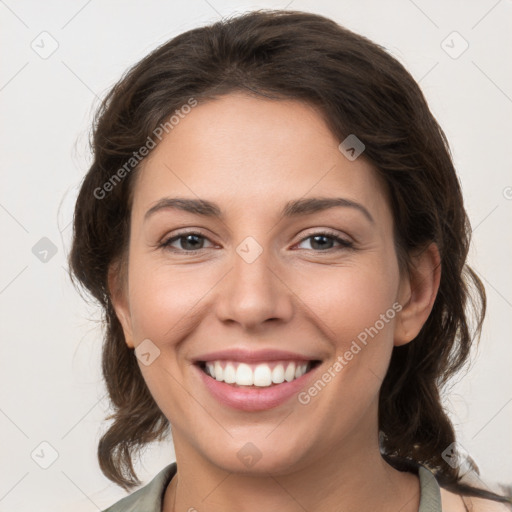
(254, 384)
(262, 375)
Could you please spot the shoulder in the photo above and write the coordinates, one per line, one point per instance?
(452, 502)
(149, 497)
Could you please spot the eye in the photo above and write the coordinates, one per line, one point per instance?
(190, 241)
(321, 241)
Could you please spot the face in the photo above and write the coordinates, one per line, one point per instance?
(266, 282)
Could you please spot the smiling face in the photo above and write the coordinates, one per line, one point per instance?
(270, 272)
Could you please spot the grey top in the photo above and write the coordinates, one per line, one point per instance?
(150, 497)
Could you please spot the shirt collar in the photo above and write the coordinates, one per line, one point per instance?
(150, 497)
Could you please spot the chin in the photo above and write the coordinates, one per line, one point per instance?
(258, 457)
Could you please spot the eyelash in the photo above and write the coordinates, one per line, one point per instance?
(345, 244)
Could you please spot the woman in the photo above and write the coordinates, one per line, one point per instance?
(275, 230)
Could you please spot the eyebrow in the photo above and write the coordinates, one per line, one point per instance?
(291, 209)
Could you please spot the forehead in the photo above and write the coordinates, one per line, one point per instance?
(250, 151)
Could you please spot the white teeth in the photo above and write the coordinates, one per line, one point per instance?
(219, 372)
(289, 373)
(261, 375)
(229, 374)
(278, 374)
(300, 371)
(244, 376)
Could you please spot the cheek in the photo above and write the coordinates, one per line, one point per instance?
(349, 301)
(163, 298)
(356, 309)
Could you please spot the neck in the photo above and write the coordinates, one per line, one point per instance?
(353, 476)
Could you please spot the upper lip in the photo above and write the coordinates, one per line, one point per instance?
(241, 354)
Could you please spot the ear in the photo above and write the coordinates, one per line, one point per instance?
(118, 296)
(418, 291)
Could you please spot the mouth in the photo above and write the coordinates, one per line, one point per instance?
(255, 375)
(254, 380)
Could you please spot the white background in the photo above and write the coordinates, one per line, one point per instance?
(50, 366)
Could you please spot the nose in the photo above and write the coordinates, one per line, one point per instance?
(253, 293)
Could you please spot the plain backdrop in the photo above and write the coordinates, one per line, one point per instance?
(58, 59)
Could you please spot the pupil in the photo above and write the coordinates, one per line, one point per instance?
(315, 238)
(187, 240)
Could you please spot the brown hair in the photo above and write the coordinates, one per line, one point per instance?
(360, 89)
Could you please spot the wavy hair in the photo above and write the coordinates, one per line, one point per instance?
(360, 89)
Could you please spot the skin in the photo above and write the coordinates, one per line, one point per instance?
(252, 155)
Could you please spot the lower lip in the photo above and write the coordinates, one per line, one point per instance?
(254, 398)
